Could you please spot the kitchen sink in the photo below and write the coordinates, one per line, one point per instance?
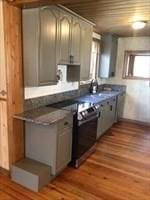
(96, 98)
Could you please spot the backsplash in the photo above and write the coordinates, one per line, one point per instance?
(44, 100)
(50, 99)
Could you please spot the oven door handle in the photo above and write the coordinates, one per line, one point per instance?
(87, 120)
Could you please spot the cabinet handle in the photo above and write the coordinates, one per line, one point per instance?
(71, 59)
(111, 108)
(3, 92)
(99, 115)
(66, 123)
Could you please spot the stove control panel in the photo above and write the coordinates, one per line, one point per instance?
(88, 112)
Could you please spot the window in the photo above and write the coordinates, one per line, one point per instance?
(137, 65)
(95, 57)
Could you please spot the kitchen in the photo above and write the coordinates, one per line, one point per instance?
(51, 116)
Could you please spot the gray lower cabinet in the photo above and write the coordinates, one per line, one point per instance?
(64, 146)
(40, 44)
(107, 114)
(86, 45)
(111, 111)
(120, 106)
(50, 145)
(101, 128)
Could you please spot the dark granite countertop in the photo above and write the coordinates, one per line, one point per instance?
(99, 97)
(48, 115)
(82, 91)
(43, 115)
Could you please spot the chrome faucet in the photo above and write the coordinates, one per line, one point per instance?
(94, 86)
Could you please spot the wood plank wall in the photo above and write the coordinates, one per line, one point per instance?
(13, 65)
(33, 3)
(4, 152)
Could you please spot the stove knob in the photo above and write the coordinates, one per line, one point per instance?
(80, 116)
(97, 106)
(83, 113)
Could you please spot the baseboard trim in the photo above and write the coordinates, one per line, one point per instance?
(135, 122)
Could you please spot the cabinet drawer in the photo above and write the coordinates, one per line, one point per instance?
(67, 122)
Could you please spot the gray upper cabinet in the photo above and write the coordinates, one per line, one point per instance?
(52, 36)
(108, 56)
(86, 45)
(40, 43)
(76, 40)
(65, 37)
(48, 46)
(70, 39)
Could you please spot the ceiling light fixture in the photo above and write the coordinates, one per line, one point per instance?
(138, 25)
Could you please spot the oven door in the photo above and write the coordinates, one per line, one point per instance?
(87, 133)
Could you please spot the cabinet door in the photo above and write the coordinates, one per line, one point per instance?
(4, 156)
(64, 149)
(113, 110)
(103, 119)
(120, 105)
(109, 114)
(86, 44)
(108, 56)
(48, 45)
(113, 60)
(106, 43)
(2, 59)
(76, 41)
(64, 37)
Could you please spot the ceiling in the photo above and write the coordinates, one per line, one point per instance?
(114, 16)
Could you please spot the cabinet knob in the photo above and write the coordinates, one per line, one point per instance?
(3, 92)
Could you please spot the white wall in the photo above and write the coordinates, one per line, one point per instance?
(62, 86)
(137, 105)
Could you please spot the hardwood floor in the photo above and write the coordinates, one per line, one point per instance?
(118, 170)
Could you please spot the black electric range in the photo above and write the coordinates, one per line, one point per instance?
(84, 128)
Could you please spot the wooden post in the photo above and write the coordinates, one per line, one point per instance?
(14, 74)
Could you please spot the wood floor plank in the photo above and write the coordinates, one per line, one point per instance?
(118, 170)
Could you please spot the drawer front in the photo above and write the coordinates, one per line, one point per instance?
(66, 123)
